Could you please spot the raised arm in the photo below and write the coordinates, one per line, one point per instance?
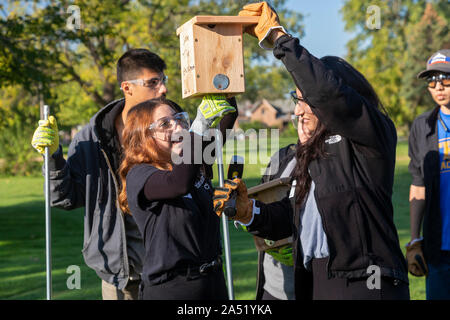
(339, 106)
(335, 103)
(169, 184)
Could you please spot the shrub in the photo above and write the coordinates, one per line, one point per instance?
(17, 156)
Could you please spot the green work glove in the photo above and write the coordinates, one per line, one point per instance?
(46, 135)
(282, 254)
(209, 113)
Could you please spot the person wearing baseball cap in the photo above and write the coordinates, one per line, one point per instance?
(429, 151)
(438, 63)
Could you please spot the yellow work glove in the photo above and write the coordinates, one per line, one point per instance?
(416, 262)
(282, 254)
(209, 113)
(46, 135)
(244, 206)
(268, 19)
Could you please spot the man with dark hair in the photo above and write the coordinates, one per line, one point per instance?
(112, 246)
(133, 61)
(429, 150)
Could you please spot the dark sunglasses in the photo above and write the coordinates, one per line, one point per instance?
(444, 79)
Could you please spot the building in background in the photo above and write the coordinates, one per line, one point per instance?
(275, 114)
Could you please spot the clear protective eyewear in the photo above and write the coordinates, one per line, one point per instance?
(295, 98)
(170, 123)
(444, 79)
(294, 120)
(152, 83)
(296, 101)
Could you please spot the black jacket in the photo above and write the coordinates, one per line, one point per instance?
(88, 179)
(353, 181)
(424, 168)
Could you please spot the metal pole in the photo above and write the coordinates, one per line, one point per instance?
(226, 235)
(48, 234)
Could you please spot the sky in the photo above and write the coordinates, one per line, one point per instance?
(324, 27)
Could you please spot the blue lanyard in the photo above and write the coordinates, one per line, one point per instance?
(443, 123)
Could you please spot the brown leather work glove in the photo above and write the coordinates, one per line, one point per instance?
(416, 262)
(244, 206)
(268, 18)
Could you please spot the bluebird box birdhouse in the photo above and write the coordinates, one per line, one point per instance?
(211, 53)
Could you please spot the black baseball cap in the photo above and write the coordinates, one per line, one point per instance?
(439, 61)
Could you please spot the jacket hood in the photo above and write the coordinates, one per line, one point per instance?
(97, 121)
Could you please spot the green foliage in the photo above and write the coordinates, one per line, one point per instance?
(270, 82)
(73, 71)
(289, 131)
(17, 157)
(423, 38)
(86, 57)
(385, 55)
(255, 125)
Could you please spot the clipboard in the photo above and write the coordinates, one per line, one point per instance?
(271, 191)
(268, 192)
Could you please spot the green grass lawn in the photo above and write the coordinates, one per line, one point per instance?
(22, 239)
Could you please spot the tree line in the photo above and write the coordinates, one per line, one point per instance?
(64, 53)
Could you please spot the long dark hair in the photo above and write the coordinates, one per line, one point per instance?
(354, 79)
(306, 152)
(314, 147)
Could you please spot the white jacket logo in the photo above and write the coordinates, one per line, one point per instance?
(333, 139)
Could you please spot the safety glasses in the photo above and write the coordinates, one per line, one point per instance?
(152, 83)
(296, 101)
(444, 79)
(294, 120)
(295, 98)
(170, 122)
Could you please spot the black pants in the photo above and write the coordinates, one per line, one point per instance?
(353, 289)
(201, 287)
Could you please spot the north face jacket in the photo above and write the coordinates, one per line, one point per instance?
(353, 181)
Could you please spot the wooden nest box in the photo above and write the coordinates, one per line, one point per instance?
(211, 54)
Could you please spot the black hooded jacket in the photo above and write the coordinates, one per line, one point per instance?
(353, 181)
